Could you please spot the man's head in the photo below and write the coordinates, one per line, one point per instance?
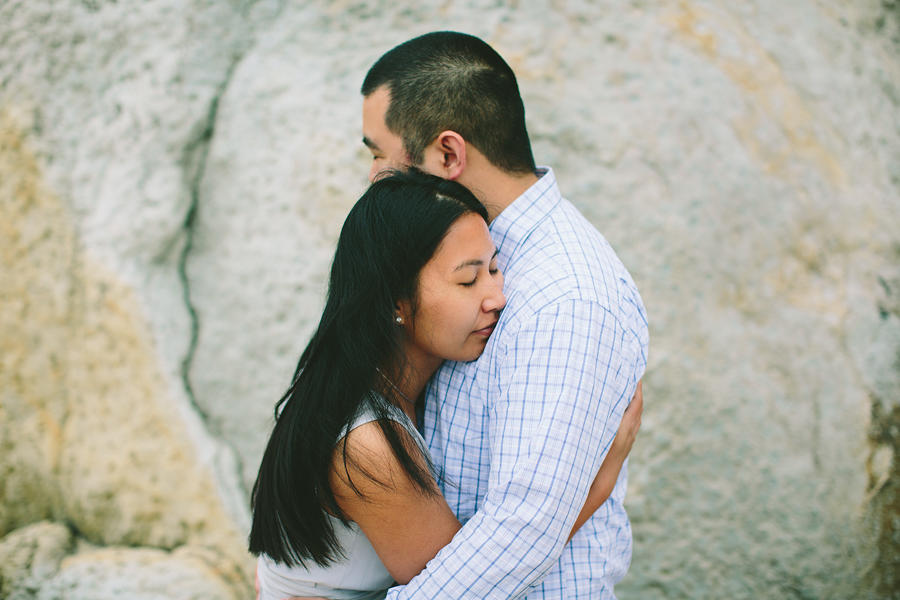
(445, 81)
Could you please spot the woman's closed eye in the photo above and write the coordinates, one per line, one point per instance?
(493, 271)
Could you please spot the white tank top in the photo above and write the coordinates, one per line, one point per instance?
(360, 576)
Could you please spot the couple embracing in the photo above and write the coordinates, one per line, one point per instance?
(452, 424)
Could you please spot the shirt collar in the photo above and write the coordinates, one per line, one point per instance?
(518, 219)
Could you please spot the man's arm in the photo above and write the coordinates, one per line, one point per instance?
(559, 394)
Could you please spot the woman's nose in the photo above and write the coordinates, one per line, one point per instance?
(496, 300)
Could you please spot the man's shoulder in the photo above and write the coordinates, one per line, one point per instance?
(564, 258)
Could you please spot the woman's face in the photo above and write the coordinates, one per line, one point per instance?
(459, 299)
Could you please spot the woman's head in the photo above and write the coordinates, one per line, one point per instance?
(416, 247)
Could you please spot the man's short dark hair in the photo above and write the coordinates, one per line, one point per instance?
(452, 81)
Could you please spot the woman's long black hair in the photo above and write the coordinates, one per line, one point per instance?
(389, 235)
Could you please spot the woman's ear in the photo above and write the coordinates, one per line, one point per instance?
(446, 156)
(402, 311)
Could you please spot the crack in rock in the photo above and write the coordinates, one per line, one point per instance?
(196, 157)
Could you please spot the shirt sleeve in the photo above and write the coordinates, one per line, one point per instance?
(558, 394)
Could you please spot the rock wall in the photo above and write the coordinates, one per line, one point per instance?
(105, 114)
(173, 176)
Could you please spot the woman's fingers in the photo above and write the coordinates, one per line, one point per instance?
(631, 422)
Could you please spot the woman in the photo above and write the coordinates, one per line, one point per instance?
(346, 500)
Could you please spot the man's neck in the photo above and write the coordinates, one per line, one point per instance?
(498, 193)
(495, 188)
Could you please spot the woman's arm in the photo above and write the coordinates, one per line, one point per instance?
(406, 525)
(606, 478)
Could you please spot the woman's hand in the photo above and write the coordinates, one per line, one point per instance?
(625, 436)
(606, 478)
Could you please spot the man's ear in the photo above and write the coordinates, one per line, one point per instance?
(446, 155)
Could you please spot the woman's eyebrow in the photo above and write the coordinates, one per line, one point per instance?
(475, 262)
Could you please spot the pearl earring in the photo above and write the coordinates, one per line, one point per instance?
(399, 320)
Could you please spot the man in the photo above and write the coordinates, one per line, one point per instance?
(520, 432)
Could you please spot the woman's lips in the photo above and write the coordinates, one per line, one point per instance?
(486, 331)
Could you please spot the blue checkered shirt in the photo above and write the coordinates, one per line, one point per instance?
(521, 432)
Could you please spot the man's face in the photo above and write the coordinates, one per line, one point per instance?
(386, 147)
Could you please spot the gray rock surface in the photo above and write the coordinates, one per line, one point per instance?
(31, 555)
(173, 176)
(142, 574)
(105, 111)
